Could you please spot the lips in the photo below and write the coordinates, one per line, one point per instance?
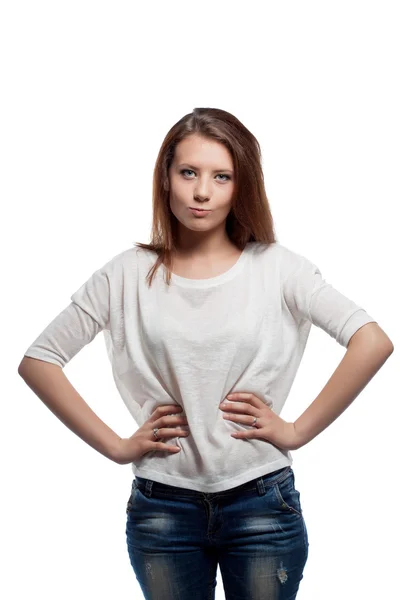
(202, 209)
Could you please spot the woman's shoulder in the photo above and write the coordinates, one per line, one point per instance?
(130, 256)
(273, 250)
(282, 259)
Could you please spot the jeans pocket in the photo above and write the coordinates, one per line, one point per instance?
(131, 499)
(287, 495)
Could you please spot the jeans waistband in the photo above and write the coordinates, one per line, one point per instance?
(149, 486)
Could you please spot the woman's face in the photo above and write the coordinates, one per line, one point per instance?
(201, 176)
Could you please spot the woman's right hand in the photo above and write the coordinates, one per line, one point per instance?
(143, 441)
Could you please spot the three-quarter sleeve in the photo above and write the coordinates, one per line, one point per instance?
(308, 296)
(65, 336)
(94, 296)
(79, 323)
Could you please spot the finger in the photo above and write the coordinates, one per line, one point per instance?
(170, 421)
(166, 409)
(243, 419)
(171, 432)
(240, 396)
(239, 407)
(247, 398)
(168, 447)
(250, 434)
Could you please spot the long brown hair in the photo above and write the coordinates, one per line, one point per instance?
(250, 217)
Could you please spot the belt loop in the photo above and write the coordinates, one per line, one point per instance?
(148, 488)
(260, 486)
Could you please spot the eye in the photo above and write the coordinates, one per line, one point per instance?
(219, 175)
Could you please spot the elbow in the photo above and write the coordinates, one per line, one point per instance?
(24, 366)
(373, 336)
(28, 363)
(21, 366)
(390, 348)
(386, 346)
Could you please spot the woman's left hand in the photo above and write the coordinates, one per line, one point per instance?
(241, 408)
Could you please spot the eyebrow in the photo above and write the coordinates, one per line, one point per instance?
(197, 169)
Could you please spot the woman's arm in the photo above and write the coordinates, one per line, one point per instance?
(367, 350)
(51, 385)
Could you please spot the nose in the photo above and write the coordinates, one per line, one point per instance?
(201, 197)
(201, 193)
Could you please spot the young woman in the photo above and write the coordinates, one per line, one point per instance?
(213, 307)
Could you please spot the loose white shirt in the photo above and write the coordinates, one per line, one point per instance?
(197, 340)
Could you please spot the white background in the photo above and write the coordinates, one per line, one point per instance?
(89, 90)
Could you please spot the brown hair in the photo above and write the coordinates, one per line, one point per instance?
(250, 218)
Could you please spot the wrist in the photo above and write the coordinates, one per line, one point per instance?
(114, 450)
(297, 440)
(299, 436)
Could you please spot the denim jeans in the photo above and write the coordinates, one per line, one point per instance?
(176, 537)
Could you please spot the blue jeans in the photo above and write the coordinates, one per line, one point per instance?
(255, 532)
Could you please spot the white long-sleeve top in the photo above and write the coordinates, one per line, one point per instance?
(197, 340)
